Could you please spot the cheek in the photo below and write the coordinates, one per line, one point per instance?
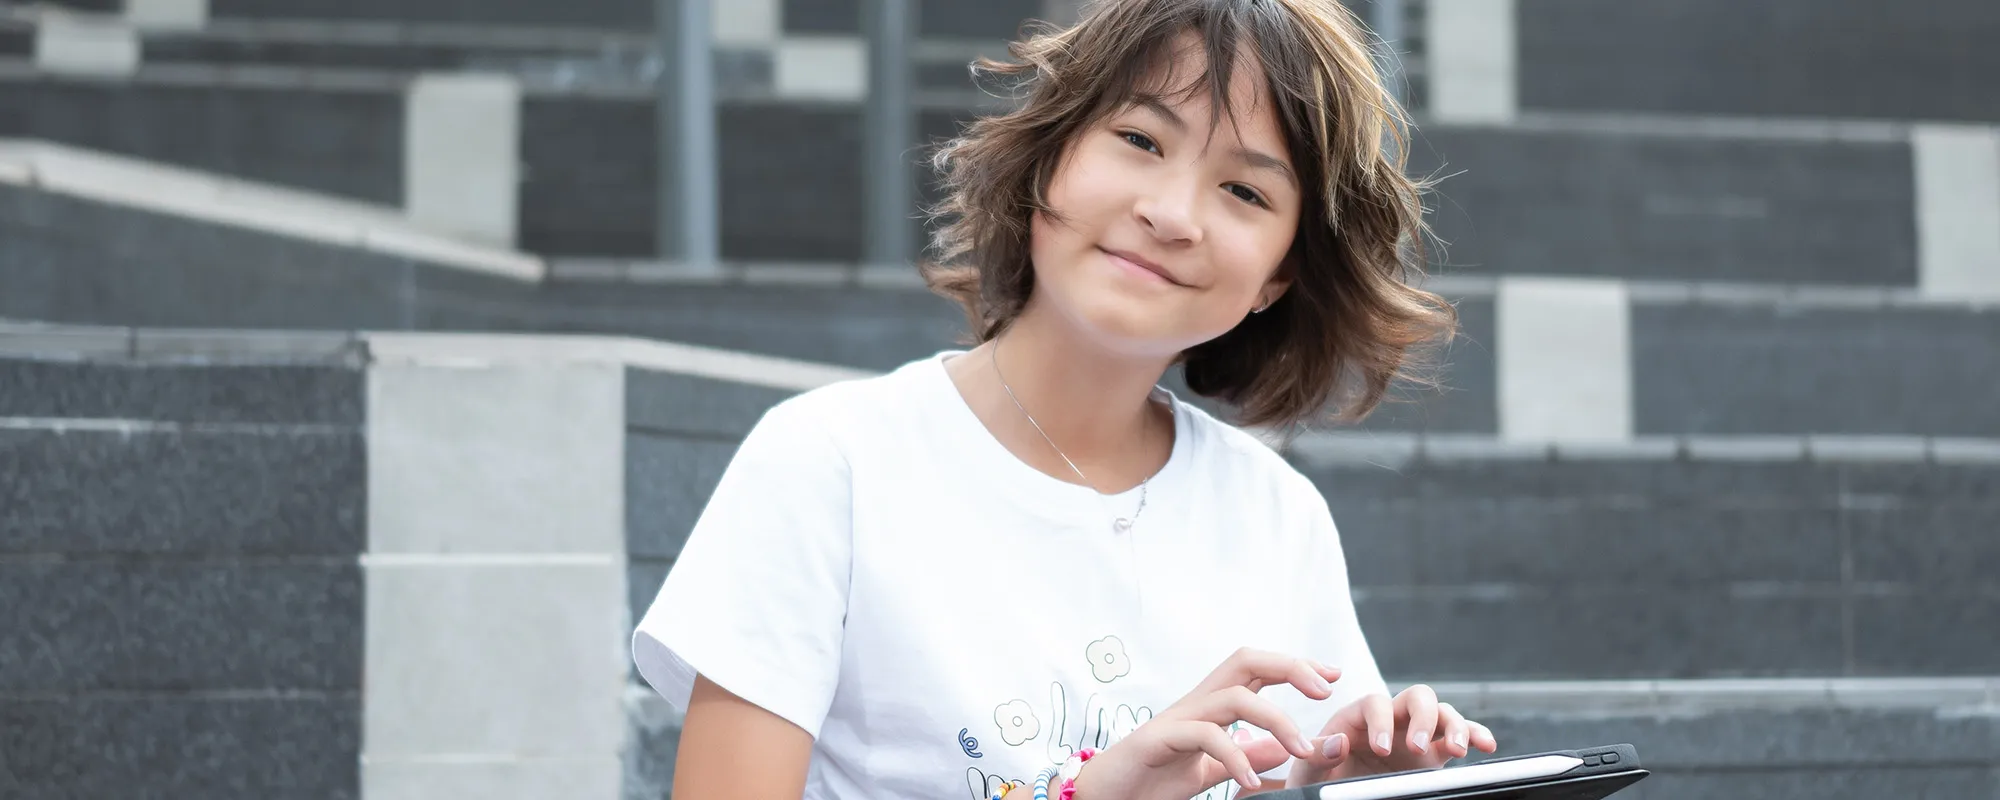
(1089, 186)
(1252, 254)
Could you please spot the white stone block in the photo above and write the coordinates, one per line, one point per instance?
(1564, 358)
(822, 68)
(75, 45)
(1471, 57)
(1958, 210)
(594, 778)
(461, 155)
(513, 459)
(167, 14)
(747, 22)
(493, 662)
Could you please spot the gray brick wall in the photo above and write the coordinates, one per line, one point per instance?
(1920, 59)
(300, 747)
(1670, 207)
(70, 260)
(1767, 369)
(582, 13)
(790, 179)
(967, 19)
(188, 600)
(347, 143)
(1588, 569)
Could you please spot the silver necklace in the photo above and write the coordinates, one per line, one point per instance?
(1121, 524)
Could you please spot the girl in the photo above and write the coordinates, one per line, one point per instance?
(993, 565)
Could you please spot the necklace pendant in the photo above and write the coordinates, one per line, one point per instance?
(1122, 525)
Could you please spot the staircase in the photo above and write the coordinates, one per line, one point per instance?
(326, 477)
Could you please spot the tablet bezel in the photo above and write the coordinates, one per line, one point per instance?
(1507, 776)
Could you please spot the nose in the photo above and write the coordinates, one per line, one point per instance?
(1169, 210)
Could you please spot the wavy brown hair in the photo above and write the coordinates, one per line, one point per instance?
(1350, 324)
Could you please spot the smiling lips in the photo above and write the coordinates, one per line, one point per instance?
(1134, 261)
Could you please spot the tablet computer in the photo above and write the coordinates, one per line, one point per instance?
(1586, 774)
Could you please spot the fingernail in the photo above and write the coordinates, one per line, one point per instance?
(1331, 747)
(1458, 739)
(1420, 742)
(1382, 742)
(1305, 745)
(1255, 781)
(1243, 736)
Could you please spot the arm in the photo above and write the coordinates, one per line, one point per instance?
(730, 748)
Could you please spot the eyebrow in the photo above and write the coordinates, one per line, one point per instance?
(1257, 159)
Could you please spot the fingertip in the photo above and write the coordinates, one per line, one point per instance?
(1333, 748)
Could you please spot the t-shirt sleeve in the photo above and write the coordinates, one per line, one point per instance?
(1332, 633)
(1339, 640)
(757, 599)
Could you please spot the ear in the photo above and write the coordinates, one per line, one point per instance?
(1273, 289)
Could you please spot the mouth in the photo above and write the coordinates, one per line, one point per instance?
(1135, 263)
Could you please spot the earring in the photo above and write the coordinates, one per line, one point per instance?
(1260, 309)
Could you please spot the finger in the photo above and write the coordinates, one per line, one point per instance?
(1226, 707)
(1419, 705)
(1378, 716)
(1329, 751)
(1454, 731)
(1263, 750)
(1482, 737)
(1192, 736)
(1257, 669)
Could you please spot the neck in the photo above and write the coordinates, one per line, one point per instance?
(1093, 402)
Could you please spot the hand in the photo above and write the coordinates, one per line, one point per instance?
(1413, 731)
(1187, 749)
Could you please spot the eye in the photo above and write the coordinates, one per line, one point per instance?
(1139, 140)
(1247, 195)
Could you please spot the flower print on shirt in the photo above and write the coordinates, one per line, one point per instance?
(1017, 722)
(1103, 722)
(1107, 658)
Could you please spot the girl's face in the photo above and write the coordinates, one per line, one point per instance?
(1171, 231)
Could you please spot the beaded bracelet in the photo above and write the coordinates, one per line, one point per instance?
(1063, 776)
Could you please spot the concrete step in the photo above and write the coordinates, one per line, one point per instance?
(187, 521)
(1661, 358)
(1723, 740)
(779, 65)
(945, 17)
(1472, 557)
(224, 746)
(185, 603)
(1925, 60)
(1647, 561)
(1677, 199)
(1701, 557)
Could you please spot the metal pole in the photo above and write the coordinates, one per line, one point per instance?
(687, 226)
(888, 134)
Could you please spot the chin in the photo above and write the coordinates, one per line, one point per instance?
(1137, 327)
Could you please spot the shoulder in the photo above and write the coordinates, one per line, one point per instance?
(845, 412)
(1251, 464)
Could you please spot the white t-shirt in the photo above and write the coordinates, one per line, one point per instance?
(876, 568)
